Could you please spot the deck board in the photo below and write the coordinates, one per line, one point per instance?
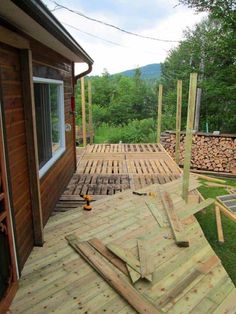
(57, 280)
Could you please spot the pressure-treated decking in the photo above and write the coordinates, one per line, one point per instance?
(185, 280)
(106, 169)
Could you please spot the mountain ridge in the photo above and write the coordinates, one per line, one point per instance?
(148, 72)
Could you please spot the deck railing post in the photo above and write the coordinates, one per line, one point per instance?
(188, 137)
(83, 112)
(159, 113)
(178, 120)
(90, 112)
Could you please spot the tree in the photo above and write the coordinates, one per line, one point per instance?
(225, 10)
(207, 45)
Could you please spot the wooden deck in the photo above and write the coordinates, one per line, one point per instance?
(185, 280)
(105, 169)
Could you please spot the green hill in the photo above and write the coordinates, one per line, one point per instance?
(149, 72)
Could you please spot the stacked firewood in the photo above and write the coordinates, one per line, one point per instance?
(211, 153)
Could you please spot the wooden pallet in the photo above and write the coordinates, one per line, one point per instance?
(105, 169)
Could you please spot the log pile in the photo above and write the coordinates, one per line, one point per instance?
(209, 152)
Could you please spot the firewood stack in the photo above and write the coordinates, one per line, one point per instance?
(211, 153)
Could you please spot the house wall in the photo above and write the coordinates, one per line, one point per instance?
(17, 149)
(48, 64)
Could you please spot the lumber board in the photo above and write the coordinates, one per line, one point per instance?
(115, 280)
(101, 248)
(146, 261)
(207, 178)
(125, 255)
(219, 224)
(156, 214)
(175, 223)
(193, 209)
(226, 211)
(134, 275)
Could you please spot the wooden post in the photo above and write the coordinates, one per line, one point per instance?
(159, 112)
(198, 106)
(188, 137)
(32, 147)
(178, 120)
(83, 112)
(90, 112)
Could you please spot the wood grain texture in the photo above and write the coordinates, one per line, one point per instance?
(120, 284)
(15, 126)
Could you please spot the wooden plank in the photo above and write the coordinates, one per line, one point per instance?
(156, 214)
(159, 113)
(178, 120)
(219, 225)
(146, 262)
(101, 248)
(207, 178)
(175, 223)
(188, 137)
(204, 268)
(83, 112)
(228, 305)
(134, 275)
(226, 212)
(191, 210)
(32, 148)
(125, 255)
(115, 280)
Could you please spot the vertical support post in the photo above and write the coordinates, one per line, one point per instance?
(188, 137)
(198, 106)
(83, 112)
(159, 113)
(90, 112)
(32, 147)
(178, 120)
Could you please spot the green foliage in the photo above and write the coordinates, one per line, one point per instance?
(118, 99)
(211, 52)
(135, 131)
(224, 10)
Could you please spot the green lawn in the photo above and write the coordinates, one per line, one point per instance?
(227, 250)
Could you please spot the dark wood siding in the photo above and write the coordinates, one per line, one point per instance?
(48, 64)
(17, 149)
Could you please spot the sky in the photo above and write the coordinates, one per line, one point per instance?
(162, 19)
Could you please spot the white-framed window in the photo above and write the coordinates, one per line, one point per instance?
(50, 121)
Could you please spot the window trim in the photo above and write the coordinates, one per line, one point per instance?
(62, 149)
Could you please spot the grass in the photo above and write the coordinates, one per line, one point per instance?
(227, 250)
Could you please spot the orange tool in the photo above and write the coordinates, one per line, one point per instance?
(88, 199)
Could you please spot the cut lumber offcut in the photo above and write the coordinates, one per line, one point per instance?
(207, 178)
(127, 257)
(134, 275)
(112, 258)
(193, 209)
(226, 211)
(219, 225)
(174, 220)
(116, 280)
(156, 214)
(217, 185)
(146, 262)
